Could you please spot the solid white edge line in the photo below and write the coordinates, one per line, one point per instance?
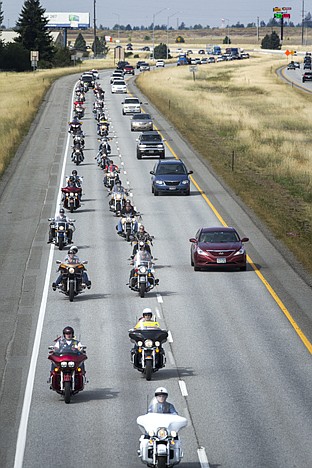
(171, 358)
(159, 299)
(183, 388)
(158, 312)
(170, 339)
(22, 430)
(203, 460)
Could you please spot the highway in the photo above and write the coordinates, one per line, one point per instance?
(239, 362)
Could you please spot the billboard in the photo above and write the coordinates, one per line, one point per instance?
(68, 20)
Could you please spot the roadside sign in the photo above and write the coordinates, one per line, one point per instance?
(286, 15)
(287, 52)
(277, 9)
(285, 8)
(193, 68)
(278, 15)
(34, 55)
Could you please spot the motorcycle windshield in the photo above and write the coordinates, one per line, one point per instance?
(151, 422)
(61, 225)
(143, 258)
(155, 334)
(67, 349)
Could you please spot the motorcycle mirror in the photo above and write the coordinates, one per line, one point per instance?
(58, 262)
(72, 220)
(152, 172)
(85, 262)
(50, 219)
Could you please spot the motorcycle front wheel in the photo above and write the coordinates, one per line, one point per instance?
(148, 370)
(61, 244)
(142, 289)
(161, 462)
(71, 292)
(67, 391)
(128, 236)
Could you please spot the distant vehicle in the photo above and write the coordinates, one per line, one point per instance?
(131, 105)
(291, 66)
(150, 144)
(146, 49)
(307, 76)
(213, 50)
(95, 74)
(170, 175)
(307, 66)
(129, 70)
(144, 67)
(218, 247)
(138, 64)
(201, 52)
(182, 60)
(141, 122)
(204, 61)
(118, 86)
(211, 60)
(121, 64)
(189, 52)
(244, 55)
(88, 78)
(129, 47)
(117, 76)
(297, 64)
(179, 50)
(160, 63)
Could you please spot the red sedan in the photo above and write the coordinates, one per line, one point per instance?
(218, 247)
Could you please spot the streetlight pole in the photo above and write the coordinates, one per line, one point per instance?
(118, 17)
(167, 30)
(94, 28)
(228, 30)
(155, 14)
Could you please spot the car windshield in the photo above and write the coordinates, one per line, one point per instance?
(119, 83)
(170, 169)
(132, 101)
(218, 237)
(141, 117)
(150, 138)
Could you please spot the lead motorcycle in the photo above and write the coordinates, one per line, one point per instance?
(142, 277)
(148, 355)
(68, 375)
(160, 445)
(71, 200)
(72, 283)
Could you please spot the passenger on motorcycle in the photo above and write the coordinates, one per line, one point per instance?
(70, 230)
(72, 259)
(159, 404)
(128, 210)
(141, 236)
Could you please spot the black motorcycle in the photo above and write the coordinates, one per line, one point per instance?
(148, 355)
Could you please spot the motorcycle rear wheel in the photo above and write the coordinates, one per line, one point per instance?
(71, 208)
(148, 370)
(71, 292)
(161, 462)
(67, 391)
(142, 289)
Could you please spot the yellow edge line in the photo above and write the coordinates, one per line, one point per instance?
(278, 301)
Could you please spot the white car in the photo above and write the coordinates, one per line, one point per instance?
(131, 105)
(95, 74)
(160, 63)
(119, 86)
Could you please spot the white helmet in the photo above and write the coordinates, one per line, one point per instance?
(161, 391)
(147, 311)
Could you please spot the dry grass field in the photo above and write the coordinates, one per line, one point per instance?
(242, 106)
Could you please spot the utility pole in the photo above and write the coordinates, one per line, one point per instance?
(94, 28)
(258, 28)
(302, 24)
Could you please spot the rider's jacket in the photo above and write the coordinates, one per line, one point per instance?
(165, 407)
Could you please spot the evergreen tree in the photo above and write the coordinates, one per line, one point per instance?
(101, 48)
(160, 51)
(80, 43)
(62, 57)
(271, 41)
(1, 17)
(33, 32)
(14, 57)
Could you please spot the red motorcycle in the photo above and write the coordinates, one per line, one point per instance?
(68, 373)
(72, 197)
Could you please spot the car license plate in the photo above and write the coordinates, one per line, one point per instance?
(172, 188)
(151, 151)
(221, 260)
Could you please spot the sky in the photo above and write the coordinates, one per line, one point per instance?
(141, 12)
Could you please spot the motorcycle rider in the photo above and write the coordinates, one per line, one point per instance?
(144, 256)
(68, 339)
(72, 259)
(147, 320)
(70, 226)
(141, 236)
(77, 179)
(159, 404)
(73, 125)
(127, 210)
(110, 167)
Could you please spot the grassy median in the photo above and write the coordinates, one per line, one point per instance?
(242, 107)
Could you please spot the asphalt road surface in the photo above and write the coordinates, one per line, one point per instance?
(238, 366)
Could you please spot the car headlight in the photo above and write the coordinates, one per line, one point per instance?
(142, 146)
(142, 269)
(71, 270)
(140, 343)
(157, 343)
(71, 364)
(159, 182)
(241, 251)
(162, 433)
(148, 343)
(159, 146)
(184, 182)
(201, 252)
(64, 364)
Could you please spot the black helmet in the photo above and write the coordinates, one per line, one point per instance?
(74, 173)
(73, 250)
(62, 211)
(68, 330)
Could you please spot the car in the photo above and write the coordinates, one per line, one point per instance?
(141, 122)
(244, 55)
(129, 70)
(204, 61)
(211, 60)
(170, 176)
(150, 144)
(201, 51)
(160, 63)
(291, 66)
(146, 49)
(189, 51)
(129, 47)
(179, 50)
(307, 76)
(144, 67)
(122, 64)
(95, 74)
(119, 86)
(117, 75)
(218, 247)
(88, 78)
(138, 64)
(297, 64)
(307, 66)
(131, 105)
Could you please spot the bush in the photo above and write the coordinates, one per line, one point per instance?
(147, 38)
(227, 40)
(180, 40)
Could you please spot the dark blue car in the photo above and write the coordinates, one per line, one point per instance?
(170, 175)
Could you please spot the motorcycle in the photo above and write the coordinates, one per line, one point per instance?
(103, 129)
(110, 178)
(148, 355)
(77, 155)
(78, 139)
(72, 283)
(75, 128)
(160, 445)
(60, 230)
(68, 376)
(117, 201)
(71, 198)
(128, 223)
(142, 277)
(79, 112)
(104, 147)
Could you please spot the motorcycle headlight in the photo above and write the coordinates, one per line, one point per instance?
(142, 269)
(148, 343)
(71, 194)
(71, 364)
(157, 343)
(61, 228)
(118, 197)
(173, 434)
(140, 343)
(151, 433)
(162, 433)
(64, 364)
(241, 251)
(71, 270)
